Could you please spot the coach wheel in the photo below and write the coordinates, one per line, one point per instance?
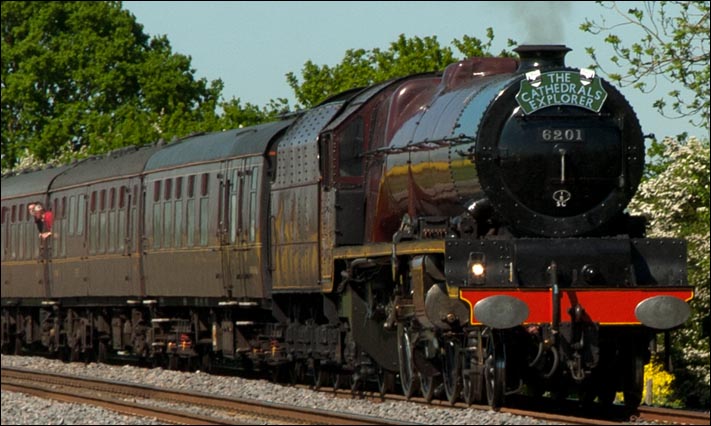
(320, 375)
(75, 353)
(337, 381)
(193, 363)
(18, 346)
(408, 379)
(102, 354)
(341, 380)
(206, 364)
(159, 360)
(357, 384)
(386, 380)
(280, 373)
(451, 370)
(297, 372)
(495, 370)
(65, 354)
(173, 362)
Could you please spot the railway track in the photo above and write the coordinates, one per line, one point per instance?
(668, 415)
(541, 409)
(122, 397)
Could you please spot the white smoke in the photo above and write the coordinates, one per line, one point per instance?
(543, 21)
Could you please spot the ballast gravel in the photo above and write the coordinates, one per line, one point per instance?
(22, 409)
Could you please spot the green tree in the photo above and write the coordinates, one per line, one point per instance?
(362, 67)
(83, 74)
(673, 43)
(675, 199)
(236, 115)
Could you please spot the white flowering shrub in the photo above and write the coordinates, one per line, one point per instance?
(675, 200)
(66, 155)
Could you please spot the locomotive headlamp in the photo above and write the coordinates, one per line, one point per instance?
(477, 268)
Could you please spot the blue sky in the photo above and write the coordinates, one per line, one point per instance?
(252, 45)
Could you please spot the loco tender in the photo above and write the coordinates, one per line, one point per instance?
(466, 228)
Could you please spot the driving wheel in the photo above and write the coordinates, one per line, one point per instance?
(495, 369)
(407, 366)
(451, 370)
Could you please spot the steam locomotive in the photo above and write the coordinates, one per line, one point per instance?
(462, 230)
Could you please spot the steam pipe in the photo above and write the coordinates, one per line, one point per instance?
(555, 325)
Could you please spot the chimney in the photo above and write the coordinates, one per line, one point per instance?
(539, 56)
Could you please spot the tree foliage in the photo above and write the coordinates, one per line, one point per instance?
(83, 74)
(674, 44)
(675, 199)
(81, 78)
(235, 115)
(363, 67)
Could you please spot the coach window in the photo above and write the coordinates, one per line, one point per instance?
(31, 240)
(167, 214)
(24, 233)
(72, 215)
(93, 223)
(57, 227)
(3, 221)
(81, 214)
(204, 208)
(253, 204)
(28, 238)
(233, 220)
(102, 221)
(121, 211)
(190, 213)
(112, 220)
(157, 216)
(179, 212)
(18, 233)
(14, 232)
(54, 207)
(5, 234)
(63, 230)
(133, 220)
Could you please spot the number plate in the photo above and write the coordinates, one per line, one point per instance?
(561, 135)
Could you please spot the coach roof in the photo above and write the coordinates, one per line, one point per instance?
(129, 161)
(27, 183)
(214, 146)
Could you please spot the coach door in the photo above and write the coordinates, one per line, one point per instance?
(112, 267)
(241, 259)
(72, 269)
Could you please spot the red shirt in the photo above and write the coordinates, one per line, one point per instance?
(48, 219)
